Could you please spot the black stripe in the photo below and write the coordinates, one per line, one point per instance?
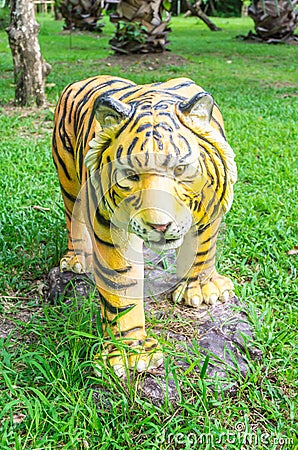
(156, 134)
(165, 92)
(113, 309)
(84, 86)
(130, 92)
(143, 144)
(130, 150)
(220, 128)
(138, 203)
(181, 85)
(82, 120)
(100, 241)
(216, 208)
(163, 104)
(167, 159)
(119, 153)
(70, 112)
(101, 220)
(67, 195)
(170, 116)
(210, 175)
(223, 162)
(201, 230)
(126, 332)
(203, 263)
(139, 117)
(148, 349)
(165, 126)
(124, 126)
(177, 151)
(130, 198)
(188, 148)
(123, 188)
(67, 145)
(138, 161)
(143, 127)
(90, 190)
(147, 158)
(209, 238)
(107, 270)
(113, 195)
(205, 252)
(68, 213)
(113, 284)
(81, 161)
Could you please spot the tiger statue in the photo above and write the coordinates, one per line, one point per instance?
(142, 164)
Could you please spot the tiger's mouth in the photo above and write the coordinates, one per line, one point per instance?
(164, 244)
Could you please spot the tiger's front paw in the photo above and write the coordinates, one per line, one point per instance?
(70, 262)
(139, 355)
(211, 291)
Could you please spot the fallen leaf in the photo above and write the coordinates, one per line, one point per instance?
(293, 251)
(40, 287)
(40, 208)
(18, 418)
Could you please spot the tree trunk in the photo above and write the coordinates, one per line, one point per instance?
(30, 69)
(197, 11)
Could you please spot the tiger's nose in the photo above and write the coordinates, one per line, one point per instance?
(160, 227)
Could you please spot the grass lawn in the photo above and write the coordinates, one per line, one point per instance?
(46, 378)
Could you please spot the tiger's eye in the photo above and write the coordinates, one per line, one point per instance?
(131, 175)
(110, 120)
(179, 170)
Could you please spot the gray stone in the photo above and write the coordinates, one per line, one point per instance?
(222, 334)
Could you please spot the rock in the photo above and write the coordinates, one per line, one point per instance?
(218, 339)
(66, 285)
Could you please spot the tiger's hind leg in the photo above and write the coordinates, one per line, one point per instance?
(78, 258)
(78, 255)
(201, 283)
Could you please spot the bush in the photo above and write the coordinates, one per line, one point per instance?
(224, 8)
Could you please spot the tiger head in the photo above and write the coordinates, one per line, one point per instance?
(160, 166)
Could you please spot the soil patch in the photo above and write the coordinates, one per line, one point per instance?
(149, 61)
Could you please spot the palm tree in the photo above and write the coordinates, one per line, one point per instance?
(81, 14)
(275, 20)
(140, 27)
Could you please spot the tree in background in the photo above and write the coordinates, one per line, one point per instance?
(140, 26)
(275, 20)
(223, 8)
(81, 14)
(30, 69)
(196, 10)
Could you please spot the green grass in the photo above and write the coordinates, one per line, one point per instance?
(47, 386)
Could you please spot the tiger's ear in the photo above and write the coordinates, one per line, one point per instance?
(199, 108)
(110, 111)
